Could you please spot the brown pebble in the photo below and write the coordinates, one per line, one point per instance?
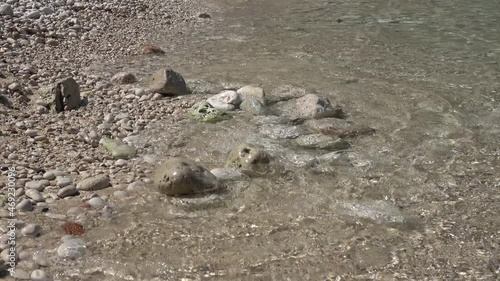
(147, 49)
(73, 228)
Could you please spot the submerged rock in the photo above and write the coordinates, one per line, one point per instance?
(226, 100)
(204, 112)
(167, 82)
(72, 248)
(253, 106)
(119, 150)
(312, 106)
(248, 157)
(319, 141)
(377, 210)
(179, 176)
(254, 92)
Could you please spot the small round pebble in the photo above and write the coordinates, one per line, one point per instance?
(121, 162)
(39, 275)
(31, 230)
(120, 193)
(96, 202)
(49, 176)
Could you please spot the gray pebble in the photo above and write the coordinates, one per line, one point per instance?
(34, 194)
(37, 185)
(24, 255)
(67, 191)
(63, 181)
(20, 274)
(49, 176)
(31, 132)
(136, 186)
(24, 206)
(121, 163)
(96, 202)
(120, 194)
(31, 230)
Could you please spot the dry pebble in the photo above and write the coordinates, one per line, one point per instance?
(24, 206)
(67, 191)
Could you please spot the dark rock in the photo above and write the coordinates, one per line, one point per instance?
(167, 82)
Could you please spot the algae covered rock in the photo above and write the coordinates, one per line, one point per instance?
(179, 176)
(204, 112)
(119, 150)
(319, 141)
(248, 157)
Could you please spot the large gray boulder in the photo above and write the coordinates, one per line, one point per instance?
(167, 82)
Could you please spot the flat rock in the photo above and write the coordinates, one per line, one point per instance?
(179, 176)
(167, 82)
(94, 183)
(34, 194)
(6, 10)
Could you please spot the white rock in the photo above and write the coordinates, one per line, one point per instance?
(226, 100)
(34, 194)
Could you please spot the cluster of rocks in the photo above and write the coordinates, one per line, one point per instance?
(95, 128)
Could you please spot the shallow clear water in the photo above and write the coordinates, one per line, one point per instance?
(418, 200)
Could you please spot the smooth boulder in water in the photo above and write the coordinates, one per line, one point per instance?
(179, 176)
(205, 112)
(248, 157)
